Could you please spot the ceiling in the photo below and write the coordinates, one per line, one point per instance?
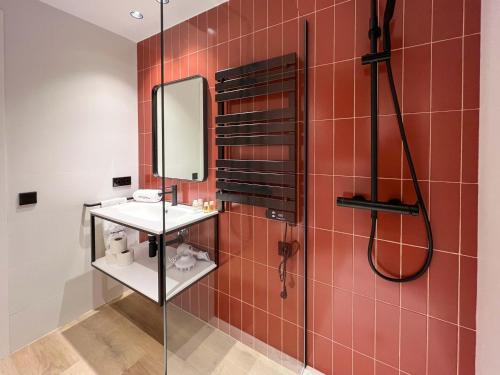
(114, 15)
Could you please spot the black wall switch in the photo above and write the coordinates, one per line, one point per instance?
(27, 198)
(122, 181)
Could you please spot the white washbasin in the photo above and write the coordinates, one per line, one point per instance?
(148, 216)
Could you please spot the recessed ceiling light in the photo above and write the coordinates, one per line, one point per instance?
(136, 14)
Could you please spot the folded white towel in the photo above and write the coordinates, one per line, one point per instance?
(147, 195)
(111, 230)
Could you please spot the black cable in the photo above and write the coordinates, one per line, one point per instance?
(282, 266)
(389, 12)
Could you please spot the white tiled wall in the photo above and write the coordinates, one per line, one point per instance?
(71, 125)
(4, 310)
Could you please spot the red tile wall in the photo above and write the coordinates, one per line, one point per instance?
(357, 323)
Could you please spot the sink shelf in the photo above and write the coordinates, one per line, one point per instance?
(156, 278)
(142, 275)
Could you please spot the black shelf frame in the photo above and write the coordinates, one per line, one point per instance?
(161, 241)
(265, 183)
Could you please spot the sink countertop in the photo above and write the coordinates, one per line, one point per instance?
(148, 216)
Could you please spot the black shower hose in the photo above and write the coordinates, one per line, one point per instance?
(420, 200)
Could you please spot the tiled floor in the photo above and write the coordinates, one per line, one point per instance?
(126, 338)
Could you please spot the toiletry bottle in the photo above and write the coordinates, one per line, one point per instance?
(206, 207)
(212, 206)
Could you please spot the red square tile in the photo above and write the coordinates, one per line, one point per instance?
(323, 92)
(362, 148)
(342, 359)
(471, 71)
(290, 36)
(222, 23)
(212, 27)
(388, 258)
(468, 288)
(275, 234)
(183, 38)
(260, 14)
(247, 17)
(275, 12)
(342, 317)
(387, 334)
(414, 294)
(467, 358)
(344, 90)
(223, 307)
(323, 256)
(322, 354)
(324, 36)
(413, 343)
(235, 277)
(260, 325)
(383, 369)
(235, 313)
(469, 220)
(445, 215)
(417, 127)
(223, 273)
(364, 278)
(417, 79)
(235, 234)
(323, 201)
(472, 22)
(443, 286)
(234, 11)
(247, 321)
(363, 365)
(470, 146)
(320, 4)
(323, 310)
(342, 260)
(247, 280)
(442, 348)
(260, 240)
(389, 162)
(362, 89)
(304, 6)
(447, 75)
(344, 147)
(275, 332)
(275, 47)
(446, 146)
(290, 339)
(344, 31)
(448, 19)
(418, 29)
(363, 325)
(323, 150)
(260, 290)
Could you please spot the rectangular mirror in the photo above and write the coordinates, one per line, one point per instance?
(185, 124)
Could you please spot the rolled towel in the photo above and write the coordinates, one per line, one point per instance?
(147, 195)
(111, 230)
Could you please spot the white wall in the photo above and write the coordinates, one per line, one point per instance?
(71, 125)
(4, 308)
(488, 298)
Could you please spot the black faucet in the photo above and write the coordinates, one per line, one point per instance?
(173, 191)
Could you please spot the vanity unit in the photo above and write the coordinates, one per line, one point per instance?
(156, 277)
